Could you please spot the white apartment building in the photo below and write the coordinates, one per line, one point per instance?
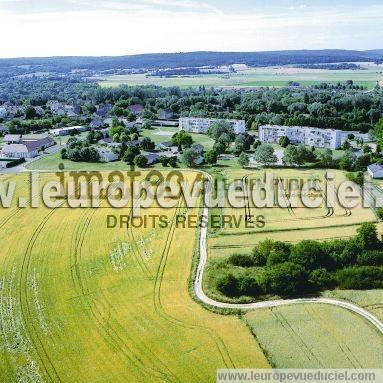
(202, 125)
(319, 138)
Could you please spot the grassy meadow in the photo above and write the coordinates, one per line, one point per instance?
(257, 77)
(83, 303)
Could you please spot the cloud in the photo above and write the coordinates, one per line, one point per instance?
(117, 28)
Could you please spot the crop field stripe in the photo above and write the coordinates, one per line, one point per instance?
(282, 320)
(38, 345)
(107, 332)
(334, 336)
(287, 230)
(8, 356)
(110, 334)
(227, 360)
(156, 365)
(251, 245)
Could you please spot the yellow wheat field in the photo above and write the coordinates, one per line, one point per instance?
(83, 303)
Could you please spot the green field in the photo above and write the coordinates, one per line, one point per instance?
(161, 134)
(83, 303)
(284, 224)
(371, 300)
(258, 77)
(316, 336)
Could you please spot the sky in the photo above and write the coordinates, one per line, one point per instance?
(34, 28)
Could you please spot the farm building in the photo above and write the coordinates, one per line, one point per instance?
(202, 125)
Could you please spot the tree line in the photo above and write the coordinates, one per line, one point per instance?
(308, 267)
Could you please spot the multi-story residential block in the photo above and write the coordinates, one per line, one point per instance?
(319, 138)
(202, 125)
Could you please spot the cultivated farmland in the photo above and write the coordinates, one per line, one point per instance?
(257, 77)
(83, 303)
(287, 224)
(316, 336)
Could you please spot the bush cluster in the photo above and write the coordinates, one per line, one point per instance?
(306, 267)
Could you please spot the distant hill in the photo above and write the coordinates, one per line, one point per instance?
(192, 59)
(376, 51)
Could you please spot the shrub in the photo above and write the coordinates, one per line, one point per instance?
(370, 258)
(308, 254)
(360, 278)
(276, 258)
(280, 253)
(349, 254)
(321, 279)
(248, 285)
(242, 260)
(332, 251)
(227, 284)
(262, 252)
(284, 279)
(284, 142)
(140, 161)
(368, 235)
(379, 213)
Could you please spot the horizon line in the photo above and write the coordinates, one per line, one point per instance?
(191, 52)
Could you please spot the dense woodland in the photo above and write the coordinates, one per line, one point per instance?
(344, 106)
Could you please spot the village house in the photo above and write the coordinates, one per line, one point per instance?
(151, 157)
(26, 150)
(63, 109)
(168, 146)
(198, 148)
(25, 146)
(9, 111)
(107, 155)
(134, 143)
(97, 124)
(42, 141)
(3, 112)
(376, 171)
(136, 109)
(105, 141)
(3, 129)
(103, 110)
